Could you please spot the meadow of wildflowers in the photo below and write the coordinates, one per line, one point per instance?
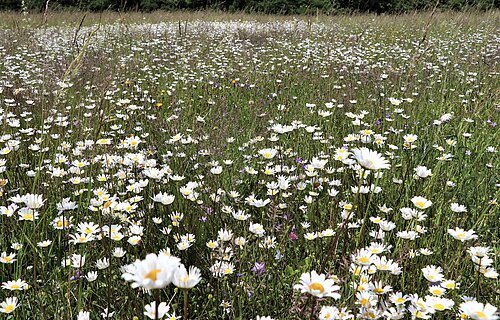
(241, 168)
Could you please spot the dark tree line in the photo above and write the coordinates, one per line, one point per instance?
(264, 6)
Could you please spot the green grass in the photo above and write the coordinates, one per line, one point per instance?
(243, 74)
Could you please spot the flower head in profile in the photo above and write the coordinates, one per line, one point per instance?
(317, 285)
(154, 272)
(370, 159)
(455, 207)
(331, 313)
(184, 279)
(438, 304)
(7, 258)
(33, 201)
(150, 312)
(15, 285)
(163, 198)
(257, 229)
(83, 315)
(462, 235)
(433, 273)
(422, 172)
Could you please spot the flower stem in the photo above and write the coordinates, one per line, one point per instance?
(313, 302)
(478, 279)
(157, 303)
(185, 304)
(365, 217)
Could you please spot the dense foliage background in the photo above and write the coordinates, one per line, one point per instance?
(265, 6)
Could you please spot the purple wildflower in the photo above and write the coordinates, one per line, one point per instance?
(259, 268)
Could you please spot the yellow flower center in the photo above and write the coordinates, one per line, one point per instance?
(481, 315)
(107, 204)
(436, 292)
(9, 308)
(378, 290)
(439, 306)
(15, 286)
(420, 204)
(363, 259)
(399, 300)
(152, 274)
(317, 287)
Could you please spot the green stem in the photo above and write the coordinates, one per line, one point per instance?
(478, 279)
(365, 217)
(185, 304)
(157, 303)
